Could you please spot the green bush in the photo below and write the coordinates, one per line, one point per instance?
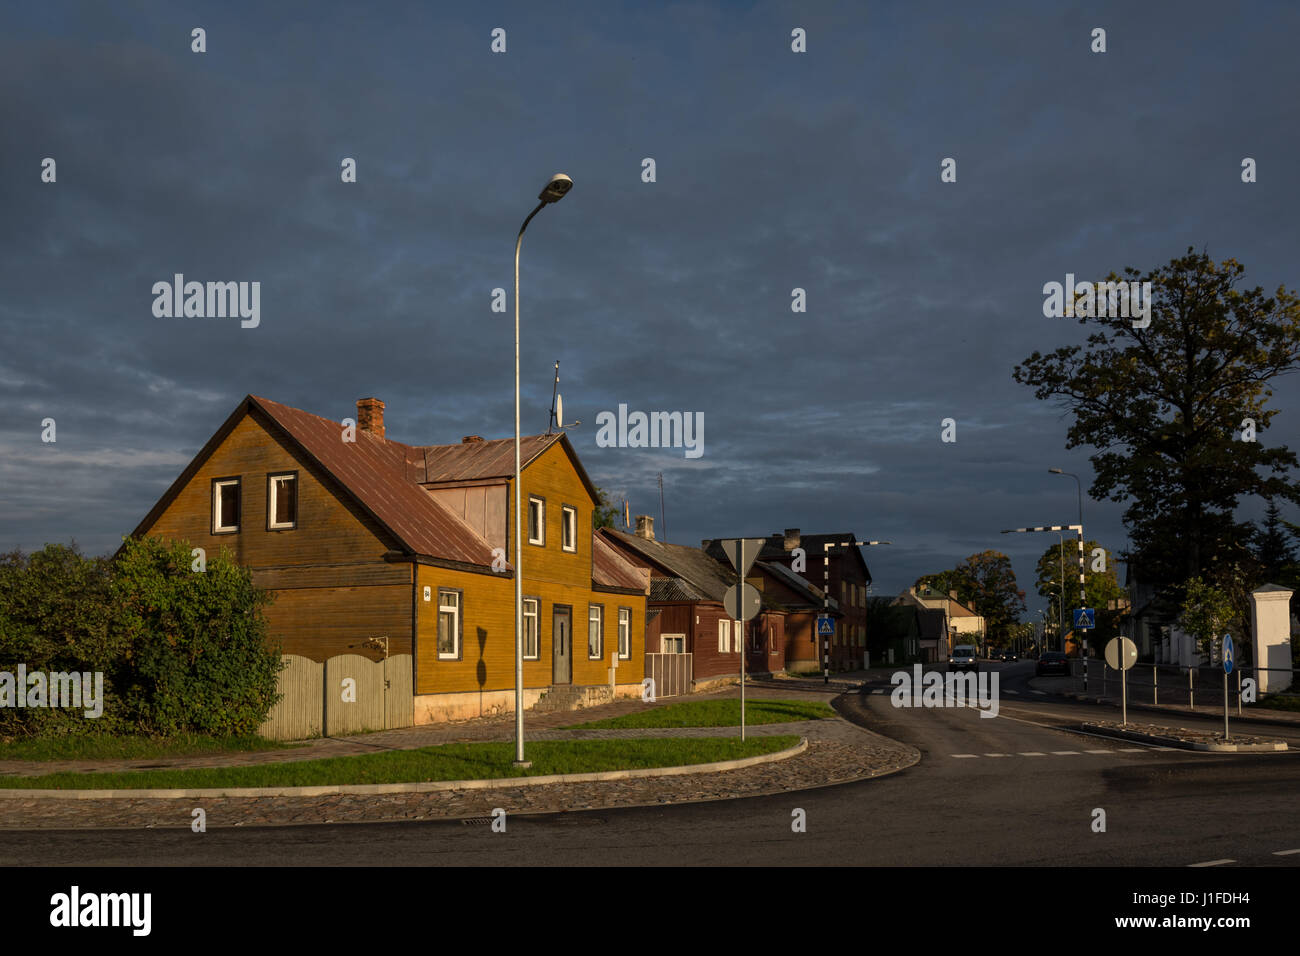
(181, 651)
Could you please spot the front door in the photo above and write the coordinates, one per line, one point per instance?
(562, 645)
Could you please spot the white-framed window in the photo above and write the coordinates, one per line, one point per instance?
(624, 633)
(595, 631)
(532, 632)
(282, 501)
(449, 624)
(569, 536)
(536, 520)
(225, 505)
(724, 637)
(672, 643)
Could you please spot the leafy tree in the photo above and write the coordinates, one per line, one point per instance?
(1206, 613)
(607, 513)
(986, 583)
(1101, 588)
(179, 651)
(1161, 405)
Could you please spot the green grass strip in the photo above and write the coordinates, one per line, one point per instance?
(714, 713)
(106, 747)
(478, 761)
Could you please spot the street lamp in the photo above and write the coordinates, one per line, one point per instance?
(1078, 485)
(552, 192)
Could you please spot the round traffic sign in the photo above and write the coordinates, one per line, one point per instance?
(1228, 653)
(748, 604)
(1121, 653)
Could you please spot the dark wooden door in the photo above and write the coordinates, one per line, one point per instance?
(562, 645)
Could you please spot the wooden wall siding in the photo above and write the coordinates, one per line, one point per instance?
(334, 590)
(328, 532)
(300, 711)
(307, 576)
(324, 622)
(488, 626)
(549, 573)
(801, 637)
(482, 507)
(552, 477)
(707, 661)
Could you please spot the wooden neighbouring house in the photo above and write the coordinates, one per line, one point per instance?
(365, 538)
(849, 581)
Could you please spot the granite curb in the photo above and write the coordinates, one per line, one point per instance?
(1139, 737)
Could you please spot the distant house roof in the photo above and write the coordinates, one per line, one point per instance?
(933, 623)
(609, 569)
(700, 574)
(382, 477)
(812, 594)
(815, 546)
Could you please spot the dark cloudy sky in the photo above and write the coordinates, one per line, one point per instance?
(775, 170)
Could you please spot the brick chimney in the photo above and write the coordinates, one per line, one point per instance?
(471, 439)
(791, 539)
(370, 416)
(645, 527)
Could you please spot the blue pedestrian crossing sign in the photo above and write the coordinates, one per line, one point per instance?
(825, 627)
(1228, 653)
(1084, 618)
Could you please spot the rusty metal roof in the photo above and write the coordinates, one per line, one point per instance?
(611, 569)
(378, 473)
(481, 459)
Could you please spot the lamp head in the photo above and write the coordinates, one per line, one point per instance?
(554, 190)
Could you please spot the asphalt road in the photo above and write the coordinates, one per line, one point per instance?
(1021, 792)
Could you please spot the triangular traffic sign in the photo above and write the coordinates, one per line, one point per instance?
(742, 552)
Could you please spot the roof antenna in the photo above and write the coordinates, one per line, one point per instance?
(663, 526)
(557, 406)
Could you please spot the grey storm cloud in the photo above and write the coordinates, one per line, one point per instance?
(775, 171)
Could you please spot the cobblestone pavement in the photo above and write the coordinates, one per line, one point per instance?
(838, 752)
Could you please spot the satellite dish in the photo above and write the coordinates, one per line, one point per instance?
(559, 410)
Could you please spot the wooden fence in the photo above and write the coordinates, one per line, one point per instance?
(347, 694)
(672, 673)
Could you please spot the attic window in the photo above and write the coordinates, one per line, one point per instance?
(282, 501)
(225, 505)
(569, 538)
(536, 520)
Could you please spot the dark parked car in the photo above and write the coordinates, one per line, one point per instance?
(1008, 655)
(1052, 662)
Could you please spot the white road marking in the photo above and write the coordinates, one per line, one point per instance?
(1098, 751)
(1010, 691)
(964, 755)
(1284, 852)
(1132, 750)
(1065, 753)
(1211, 863)
(1043, 692)
(997, 755)
(1032, 753)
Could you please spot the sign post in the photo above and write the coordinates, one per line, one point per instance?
(742, 600)
(1228, 653)
(1121, 654)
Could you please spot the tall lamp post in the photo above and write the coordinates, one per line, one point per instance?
(553, 192)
